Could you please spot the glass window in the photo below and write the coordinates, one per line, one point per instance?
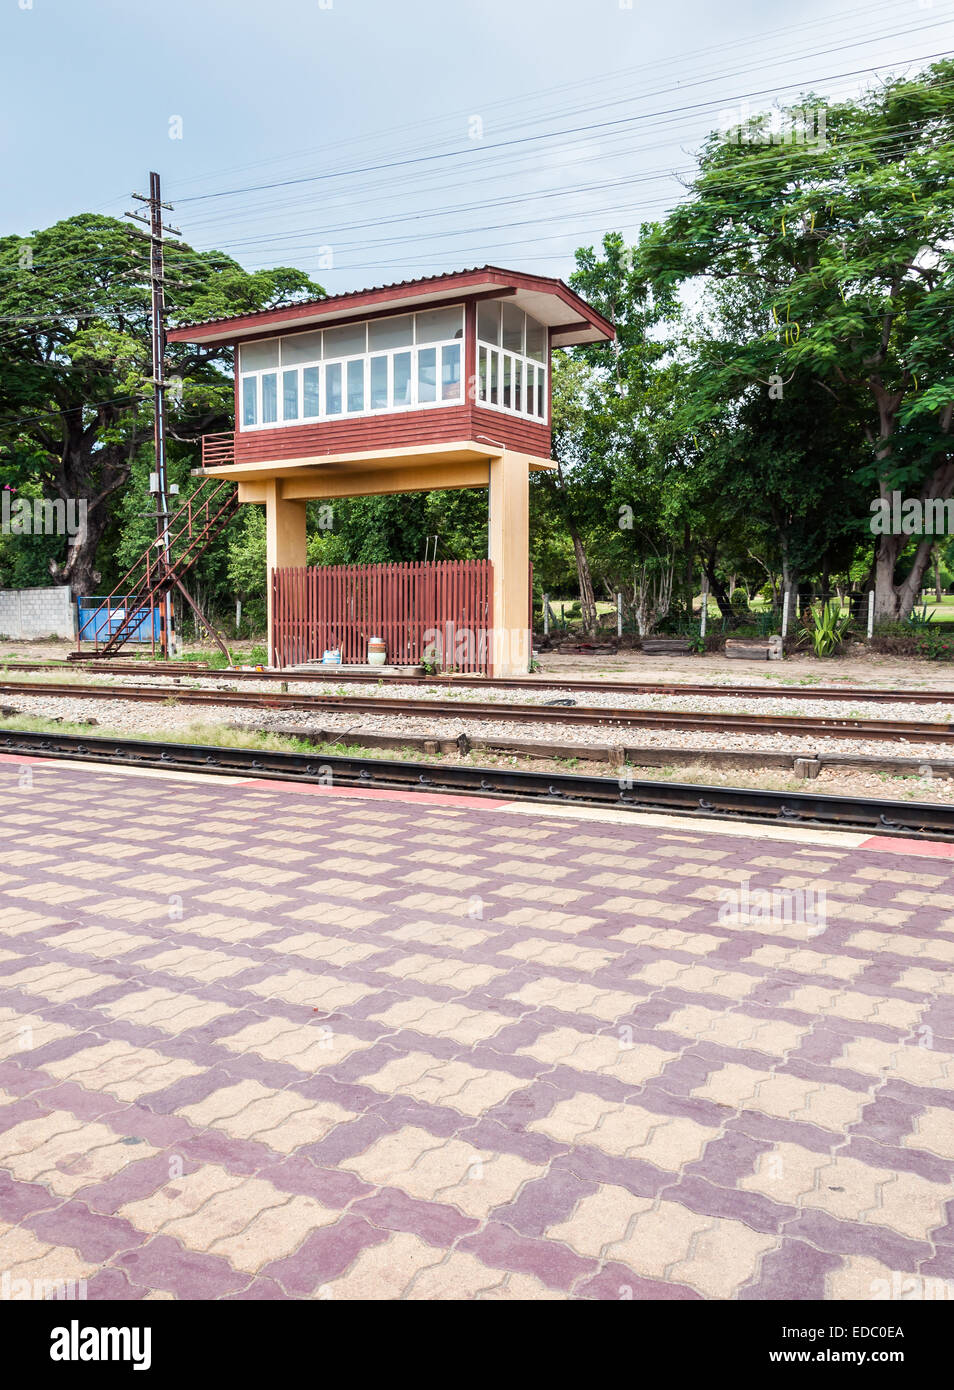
(402, 378)
(427, 374)
(255, 356)
(289, 395)
(269, 398)
(333, 389)
(391, 333)
(356, 385)
(518, 384)
(249, 400)
(311, 399)
(507, 399)
(541, 394)
(437, 325)
(482, 373)
(536, 339)
(494, 375)
(379, 383)
(301, 347)
(450, 372)
(513, 328)
(488, 321)
(346, 341)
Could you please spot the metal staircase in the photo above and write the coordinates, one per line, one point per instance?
(139, 592)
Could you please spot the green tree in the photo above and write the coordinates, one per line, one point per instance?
(846, 242)
(75, 403)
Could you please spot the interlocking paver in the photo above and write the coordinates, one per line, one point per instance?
(359, 1049)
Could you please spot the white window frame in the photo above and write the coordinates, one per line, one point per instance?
(344, 414)
(497, 355)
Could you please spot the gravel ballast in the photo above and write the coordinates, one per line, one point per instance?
(133, 719)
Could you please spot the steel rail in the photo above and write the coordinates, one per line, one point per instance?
(907, 819)
(598, 716)
(529, 683)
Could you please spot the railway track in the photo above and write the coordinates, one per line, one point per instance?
(529, 683)
(595, 716)
(916, 820)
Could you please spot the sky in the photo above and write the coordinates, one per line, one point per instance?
(368, 141)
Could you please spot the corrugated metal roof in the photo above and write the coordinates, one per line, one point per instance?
(349, 293)
(356, 294)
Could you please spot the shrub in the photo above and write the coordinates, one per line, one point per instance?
(935, 644)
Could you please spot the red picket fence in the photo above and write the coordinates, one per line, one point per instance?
(441, 612)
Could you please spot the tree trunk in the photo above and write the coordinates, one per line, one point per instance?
(90, 476)
(718, 589)
(895, 601)
(585, 579)
(938, 594)
(78, 568)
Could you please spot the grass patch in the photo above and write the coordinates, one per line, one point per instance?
(256, 656)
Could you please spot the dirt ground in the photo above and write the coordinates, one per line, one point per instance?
(878, 672)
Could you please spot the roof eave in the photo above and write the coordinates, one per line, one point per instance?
(406, 295)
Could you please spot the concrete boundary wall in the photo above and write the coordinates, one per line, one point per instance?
(47, 612)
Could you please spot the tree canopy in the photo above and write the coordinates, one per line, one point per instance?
(782, 360)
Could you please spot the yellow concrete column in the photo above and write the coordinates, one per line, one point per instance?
(285, 540)
(509, 550)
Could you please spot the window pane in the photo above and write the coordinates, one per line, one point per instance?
(508, 381)
(269, 398)
(518, 384)
(301, 347)
(450, 372)
(513, 328)
(333, 389)
(488, 321)
(437, 325)
(482, 373)
(541, 394)
(427, 374)
(402, 378)
(531, 404)
(379, 383)
(249, 396)
(310, 393)
(255, 356)
(289, 395)
(346, 341)
(356, 385)
(536, 339)
(494, 375)
(391, 333)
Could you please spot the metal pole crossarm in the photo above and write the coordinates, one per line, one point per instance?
(141, 197)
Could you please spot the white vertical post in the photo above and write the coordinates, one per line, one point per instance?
(546, 615)
(785, 601)
(704, 611)
(238, 615)
(619, 615)
(870, 614)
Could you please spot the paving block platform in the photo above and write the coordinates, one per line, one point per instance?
(270, 1042)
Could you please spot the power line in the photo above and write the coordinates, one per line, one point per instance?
(531, 139)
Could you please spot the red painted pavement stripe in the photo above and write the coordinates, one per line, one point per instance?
(936, 849)
(20, 758)
(377, 794)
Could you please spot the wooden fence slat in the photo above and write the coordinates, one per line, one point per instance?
(317, 607)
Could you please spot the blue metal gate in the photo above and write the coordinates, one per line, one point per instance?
(97, 623)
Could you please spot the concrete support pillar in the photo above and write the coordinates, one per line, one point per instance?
(285, 541)
(509, 551)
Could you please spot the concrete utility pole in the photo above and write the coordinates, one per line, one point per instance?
(157, 281)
